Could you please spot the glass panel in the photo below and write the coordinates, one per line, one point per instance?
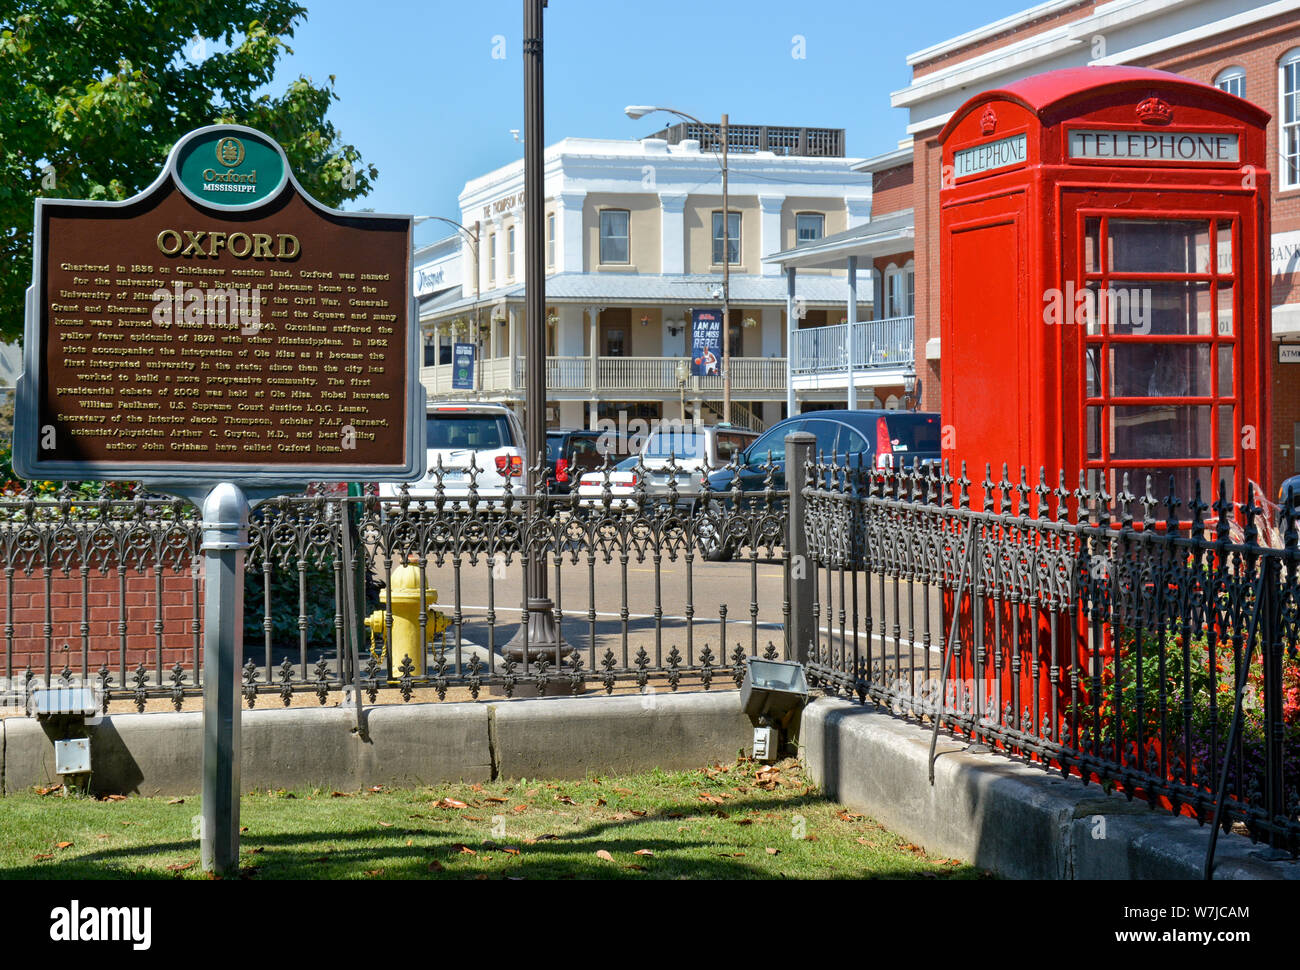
(1092, 245)
(613, 236)
(1160, 431)
(1160, 370)
(1224, 242)
(1091, 317)
(1185, 480)
(1225, 311)
(1225, 370)
(1174, 308)
(1091, 362)
(1159, 246)
(1227, 474)
(1227, 432)
(1093, 422)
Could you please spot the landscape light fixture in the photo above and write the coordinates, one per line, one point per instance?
(771, 693)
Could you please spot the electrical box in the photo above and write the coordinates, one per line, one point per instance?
(765, 743)
(72, 757)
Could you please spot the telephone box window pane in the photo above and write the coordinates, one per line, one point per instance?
(1160, 431)
(1159, 246)
(1225, 370)
(1185, 480)
(1227, 432)
(1091, 314)
(1091, 356)
(1159, 308)
(1224, 242)
(1160, 370)
(1094, 432)
(1227, 476)
(1092, 245)
(1225, 311)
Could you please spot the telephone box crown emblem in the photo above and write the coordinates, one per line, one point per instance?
(1154, 111)
(988, 120)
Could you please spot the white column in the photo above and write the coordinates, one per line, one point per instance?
(770, 230)
(792, 324)
(859, 211)
(568, 332)
(568, 213)
(672, 232)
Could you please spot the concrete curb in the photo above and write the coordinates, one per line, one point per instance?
(1016, 820)
(405, 745)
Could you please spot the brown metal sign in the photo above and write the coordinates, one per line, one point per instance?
(220, 326)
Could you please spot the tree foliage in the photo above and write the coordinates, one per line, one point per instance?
(93, 94)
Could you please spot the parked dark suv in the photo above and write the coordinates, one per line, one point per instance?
(569, 455)
(862, 438)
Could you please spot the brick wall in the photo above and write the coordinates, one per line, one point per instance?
(104, 612)
(891, 190)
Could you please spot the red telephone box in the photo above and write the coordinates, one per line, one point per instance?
(1104, 282)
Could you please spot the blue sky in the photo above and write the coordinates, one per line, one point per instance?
(425, 100)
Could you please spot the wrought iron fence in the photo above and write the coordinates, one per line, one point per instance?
(108, 591)
(1144, 642)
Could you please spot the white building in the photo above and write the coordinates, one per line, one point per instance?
(634, 241)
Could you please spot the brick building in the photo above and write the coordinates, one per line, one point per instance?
(1249, 48)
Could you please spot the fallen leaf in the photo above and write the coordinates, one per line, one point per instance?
(409, 842)
(602, 854)
(387, 825)
(339, 794)
(415, 816)
(374, 872)
(714, 799)
(773, 851)
(638, 814)
(436, 866)
(464, 849)
(911, 847)
(646, 852)
(181, 866)
(511, 850)
(497, 798)
(673, 815)
(49, 791)
(519, 808)
(863, 841)
(565, 800)
(847, 816)
(530, 793)
(451, 803)
(600, 802)
(242, 829)
(42, 857)
(473, 818)
(63, 845)
(177, 801)
(107, 798)
(376, 788)
(744, 821)
(476, 787)
(624, 791)
(256, 849)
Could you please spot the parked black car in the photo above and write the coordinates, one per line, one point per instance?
(873, 438)
(570, 454)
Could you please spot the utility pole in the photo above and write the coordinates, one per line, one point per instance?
(726, 285)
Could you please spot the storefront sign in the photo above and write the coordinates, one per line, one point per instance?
(172, 340)
(1285, 253)
(1154, 146)
(1288, 353)
(706, 343)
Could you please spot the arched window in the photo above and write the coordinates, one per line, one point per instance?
(1289, 117)
(891, 403)
(1233, 80)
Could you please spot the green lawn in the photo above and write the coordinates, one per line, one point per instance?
(737, 821)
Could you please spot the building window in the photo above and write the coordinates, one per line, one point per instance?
(733, 243)
(510, 253)
(613, 236)
(550, 240)
(900, 290)
(1232, 80)
(809, 227)
(1289, 86)
(492, 257)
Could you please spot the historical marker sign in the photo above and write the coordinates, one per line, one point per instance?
(220, 326)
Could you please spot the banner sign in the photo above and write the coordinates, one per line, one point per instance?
(222, 325)
(706, 343)
(462, 367)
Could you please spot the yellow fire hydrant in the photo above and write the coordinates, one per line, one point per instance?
(406, 601)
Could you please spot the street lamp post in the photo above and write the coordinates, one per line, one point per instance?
(635, 111)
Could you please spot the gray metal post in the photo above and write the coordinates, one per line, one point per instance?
(853, 332)
(791, 328)
(798, 452)
(225, 538)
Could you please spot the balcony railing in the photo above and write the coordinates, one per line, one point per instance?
(878, 344)
(654, 374)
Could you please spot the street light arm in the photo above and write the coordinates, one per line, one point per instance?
(717, 132)
(467, 233)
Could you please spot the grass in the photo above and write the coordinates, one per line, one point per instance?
(740, 821)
